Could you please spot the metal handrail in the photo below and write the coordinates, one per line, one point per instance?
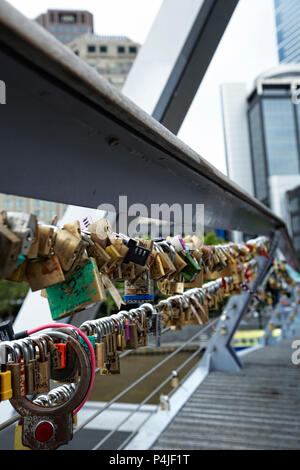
(144, 376)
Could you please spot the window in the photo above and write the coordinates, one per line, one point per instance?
(121, 49)
(37, 213)
(7, 204)
(20, 203)
(132, 50)
(37, 203)
(91, 49)
(76, 52)
(103, 49)
(67, 18)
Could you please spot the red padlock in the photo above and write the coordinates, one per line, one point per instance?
(62, 350)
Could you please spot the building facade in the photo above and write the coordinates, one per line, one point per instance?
(293, 204)
(111, 56)
(44, 210)
(262, 137)
(67, 25)
(287, 14)
(274, 127)
(235, 125)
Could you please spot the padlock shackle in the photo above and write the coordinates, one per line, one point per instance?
(25, 407)
(92, 360)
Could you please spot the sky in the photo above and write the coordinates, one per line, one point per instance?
(247, 49)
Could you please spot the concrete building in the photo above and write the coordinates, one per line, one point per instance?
(67, 25)
(44, 210)
(111, 56)
(235, 124)
(287, 15)
(262, 136)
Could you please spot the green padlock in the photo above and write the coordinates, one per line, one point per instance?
(192, 269)
(76, 292)
(92, 340)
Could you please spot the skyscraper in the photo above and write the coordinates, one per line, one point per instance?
(265, 158)
(274, 125)
(67, 25)
(287, 13)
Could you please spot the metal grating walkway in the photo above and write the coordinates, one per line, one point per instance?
(256, 408)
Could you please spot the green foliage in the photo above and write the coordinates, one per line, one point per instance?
(211, 239)
(12, 295)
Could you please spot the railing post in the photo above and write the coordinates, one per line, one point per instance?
(219, 354)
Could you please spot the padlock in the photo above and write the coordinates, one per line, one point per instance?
(69, 373)
(175, 379)
(74, 228)
(19, 274)
(46, 240)
(29, 365)
(136, 254)
(16, 366)
(48, 428)
(76, 292)
(101, 232)
(67, 247)
(24, 226)
(132, 336)
(44, 273)
(164, 402)
(54, 358)
(192, 269)
(42, 378)
(34, 247)
(18, 444)
(95, 250)
(10, 248)
(62, 351)
(99, 345)
(6, 391)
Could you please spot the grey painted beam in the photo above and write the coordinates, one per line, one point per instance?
(56, 132)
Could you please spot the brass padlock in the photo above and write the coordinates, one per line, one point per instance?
(46, 240)
(44, 273)
(10, 248)
(67, 247)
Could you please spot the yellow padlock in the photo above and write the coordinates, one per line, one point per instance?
(5, 385)
(18, 444)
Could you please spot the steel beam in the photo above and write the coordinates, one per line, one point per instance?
(192, 62)
(219, 354)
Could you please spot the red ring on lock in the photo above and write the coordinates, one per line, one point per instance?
(44, 431)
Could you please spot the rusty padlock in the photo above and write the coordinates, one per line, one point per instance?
(48, 428)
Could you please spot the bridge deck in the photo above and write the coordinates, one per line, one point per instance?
(256, 408)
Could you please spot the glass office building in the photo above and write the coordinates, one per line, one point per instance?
(287, 14)
(274, 128)
(293, 201)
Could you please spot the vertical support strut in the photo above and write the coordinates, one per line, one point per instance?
(219, 354)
